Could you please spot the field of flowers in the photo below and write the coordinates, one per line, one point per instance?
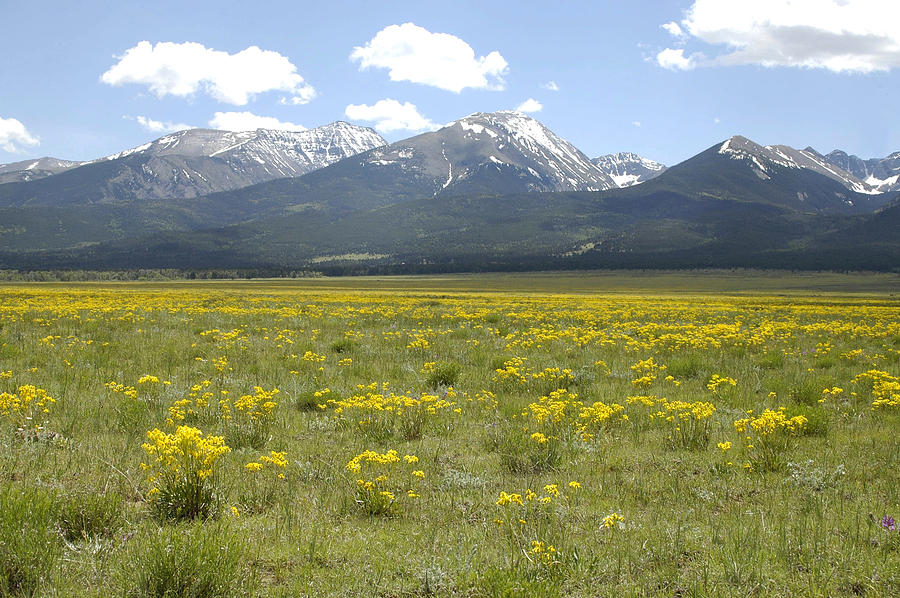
(291, 440)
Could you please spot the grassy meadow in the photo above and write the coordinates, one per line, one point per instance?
(718, 434)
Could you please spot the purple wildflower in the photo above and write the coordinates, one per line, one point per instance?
(888, 523)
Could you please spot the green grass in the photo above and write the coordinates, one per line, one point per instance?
(694, 525)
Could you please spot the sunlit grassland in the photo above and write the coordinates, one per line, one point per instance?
(468, 359)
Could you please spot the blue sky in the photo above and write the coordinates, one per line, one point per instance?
(663, 78)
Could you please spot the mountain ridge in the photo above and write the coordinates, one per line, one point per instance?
(627, 168)
(195, 162)
(497, 187)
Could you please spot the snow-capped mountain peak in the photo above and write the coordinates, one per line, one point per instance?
(883, 174)
(280, 153)
(520, 140)
(36, 168)
(763, 158)
(628, 169)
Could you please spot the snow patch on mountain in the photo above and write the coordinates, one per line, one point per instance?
(29, 170)
(762, 158)
(522, 141)
(882, 174)
(628, 169)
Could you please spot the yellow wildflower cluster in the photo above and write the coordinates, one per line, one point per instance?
(544, 554)
(150, 385)
(767, 437)
(418, 341)
(257, 406)
(186, 453)
(771, 422)
(198, 403)
(383, 413)
(528, 519)
(560, 416)
(385, 481)
(515, 370)
(688, 423)
(221, 365)
(274, 461)
(181, 471)
(646, 372)
(717, 381)
(26, 409)
(831, 393)
(128, 391)
(885, 388)
(313, 357)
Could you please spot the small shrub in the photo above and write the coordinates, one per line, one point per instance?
(29, 546)
(817, 420)
(808, 392)
(817, 478)
(535, 524)
(442, 373)
(771, 361)
(385, 483)
(27, 410)
(523, 453)
(265, 481)
(308, 400)
(190, 560)
(181, 473)
(248, 419)
(345, 345)
(82, 516)
(689, 366)
(768, 437)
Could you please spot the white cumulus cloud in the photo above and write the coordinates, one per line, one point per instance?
(412, 53)
(675, 60)
(390, 115)
(550, 86)
(673, 28)
(247, 121)
(14, 135)
(156, 126)
(187, 68)
(529, 105)
(859, 36)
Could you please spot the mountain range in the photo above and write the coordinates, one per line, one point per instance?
(490, 190)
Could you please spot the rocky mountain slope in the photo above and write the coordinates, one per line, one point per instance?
(883, 174)
(29, 170)
(193, 163)
(627, 169)
(493, 152)
(763, 158)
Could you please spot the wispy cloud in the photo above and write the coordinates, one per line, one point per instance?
(156, 126)
(247, 121)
